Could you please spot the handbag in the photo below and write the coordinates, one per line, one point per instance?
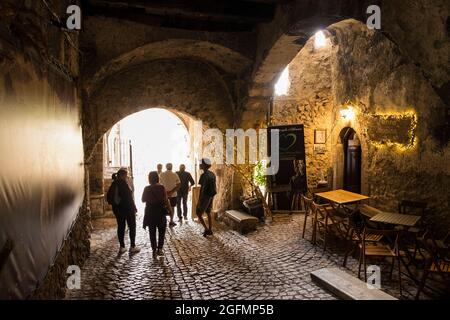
(155, 210)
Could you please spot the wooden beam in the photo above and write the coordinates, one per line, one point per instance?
(170, 21)
(219, 10)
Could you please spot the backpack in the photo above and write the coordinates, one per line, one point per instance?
(112, 196)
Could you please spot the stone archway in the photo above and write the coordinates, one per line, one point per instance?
(222, 58)
(295, 23)
(185, 86)
(188, 88)
(348, 172)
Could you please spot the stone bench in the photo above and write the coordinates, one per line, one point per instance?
(242, 221)
(346, 286)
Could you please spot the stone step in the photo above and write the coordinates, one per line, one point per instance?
(346, 286)
(242, 221)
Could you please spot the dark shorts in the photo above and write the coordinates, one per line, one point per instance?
(173, 201)
(204, 205)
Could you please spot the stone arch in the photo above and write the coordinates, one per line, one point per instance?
(315, 98)
(295, 23)
(337, 153)
(344, 136)
(221, 57)
(182, 86)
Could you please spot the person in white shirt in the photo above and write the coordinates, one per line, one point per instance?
(171, 182)
(159, 168)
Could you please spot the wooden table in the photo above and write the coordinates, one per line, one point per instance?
(342, 197)
(405, 220)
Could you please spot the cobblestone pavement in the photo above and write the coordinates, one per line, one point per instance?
(273, 262)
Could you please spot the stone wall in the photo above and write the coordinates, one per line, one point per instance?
(309, 102)
(370, 70)
(367, 70)
(421, 28)
(106, 39)
(74, 251)
(187, 86)
(96, 183)
(42, 158)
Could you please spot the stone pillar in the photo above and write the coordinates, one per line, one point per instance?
(96, 181)
(236, 190)
(338, 166)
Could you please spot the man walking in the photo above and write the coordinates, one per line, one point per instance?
(159, 168)
(171, 182)
(186, 183)
(207, 193)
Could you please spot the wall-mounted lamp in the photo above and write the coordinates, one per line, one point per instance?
(348, 113)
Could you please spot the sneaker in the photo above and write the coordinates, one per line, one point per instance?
(134, 250)
(122, 250)
(185, 217)
(154, 254)
(160, 252)
(172, 224)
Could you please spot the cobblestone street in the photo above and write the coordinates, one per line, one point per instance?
(271, 263)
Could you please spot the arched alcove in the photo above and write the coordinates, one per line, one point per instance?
(352, 160)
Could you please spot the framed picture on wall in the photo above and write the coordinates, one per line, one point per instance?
(320, 136)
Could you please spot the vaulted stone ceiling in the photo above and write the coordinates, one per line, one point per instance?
(201, 15)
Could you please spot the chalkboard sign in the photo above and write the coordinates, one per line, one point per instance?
(392, 129)
(292, 141)
(291, 177)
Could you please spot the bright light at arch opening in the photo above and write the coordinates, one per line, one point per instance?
(157, 136)
(320, 40)
(283, 83)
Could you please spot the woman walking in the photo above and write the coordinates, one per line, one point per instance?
(156, 208)
(120, 197)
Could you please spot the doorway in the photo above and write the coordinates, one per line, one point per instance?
(352, 160)
(145, 139)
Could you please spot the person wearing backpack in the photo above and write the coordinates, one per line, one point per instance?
(112, 196)
(121, 199)
(157, 207)
(207, 192)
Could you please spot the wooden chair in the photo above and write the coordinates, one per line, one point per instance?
(296, 204)
(326, 220)
(307, 205)
(370, 249)
(412, 207)
(357, 224)
(437, 263)
(417, 208)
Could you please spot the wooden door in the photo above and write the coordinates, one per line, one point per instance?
(352, 174)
